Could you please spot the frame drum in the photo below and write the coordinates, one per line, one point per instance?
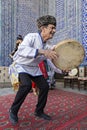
(70, 54)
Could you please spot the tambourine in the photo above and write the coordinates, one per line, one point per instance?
(70, 54)
(73, 72)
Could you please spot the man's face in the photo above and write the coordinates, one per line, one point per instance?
(49, 31)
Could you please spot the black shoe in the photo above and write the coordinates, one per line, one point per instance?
(42, 115)
(13, 118)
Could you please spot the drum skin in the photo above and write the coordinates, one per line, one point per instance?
(70, 54)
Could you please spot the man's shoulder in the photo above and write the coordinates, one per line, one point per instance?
(32, 34)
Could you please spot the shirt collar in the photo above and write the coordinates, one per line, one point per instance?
(41, 37)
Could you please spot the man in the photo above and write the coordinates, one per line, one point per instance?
(29, 54)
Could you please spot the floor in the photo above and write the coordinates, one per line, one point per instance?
(59, 85)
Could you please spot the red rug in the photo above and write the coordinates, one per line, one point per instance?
(68, 111)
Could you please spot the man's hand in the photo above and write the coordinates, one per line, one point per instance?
(65, 72)
(50, 54)
(53, 47)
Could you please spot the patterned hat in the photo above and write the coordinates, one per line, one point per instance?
(46, 20)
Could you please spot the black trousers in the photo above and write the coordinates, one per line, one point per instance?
(25, 87)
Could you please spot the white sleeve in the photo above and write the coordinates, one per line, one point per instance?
(52, 66)
(26, 48)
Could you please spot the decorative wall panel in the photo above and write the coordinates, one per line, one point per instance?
(69, 20)
(51, 7)
(19, 17)
(6, 30)
(27, 14)
(43, 7)
(84, 28)
(0, 32)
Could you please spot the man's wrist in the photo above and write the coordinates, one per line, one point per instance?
(41, 52)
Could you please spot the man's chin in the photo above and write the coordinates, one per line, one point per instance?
(51, 36)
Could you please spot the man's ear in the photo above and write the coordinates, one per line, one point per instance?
(42, 27)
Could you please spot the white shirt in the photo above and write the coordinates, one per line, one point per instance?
(25, 55)
(52, 69)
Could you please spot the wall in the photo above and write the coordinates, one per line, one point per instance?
(19, 16)
(71, 21)
(84, 28)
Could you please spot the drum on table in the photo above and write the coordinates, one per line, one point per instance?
(70, 54)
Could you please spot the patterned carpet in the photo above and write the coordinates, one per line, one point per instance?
(68, 111)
